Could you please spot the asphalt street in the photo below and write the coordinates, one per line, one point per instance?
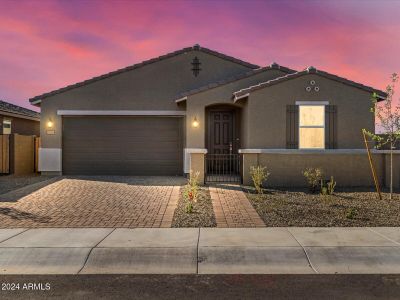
(200, 287)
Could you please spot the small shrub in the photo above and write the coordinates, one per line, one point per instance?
(258, 175)
(324, 190)
(329, 189)
(313, 177)
(331, 185)
(191, 191)
(351, 213)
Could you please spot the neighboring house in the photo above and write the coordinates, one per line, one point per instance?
(197, 109)
(17, 119)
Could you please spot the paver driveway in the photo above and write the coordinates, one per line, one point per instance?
(92, 201)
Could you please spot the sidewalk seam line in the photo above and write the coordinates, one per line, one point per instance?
(90, 251)
(304, 250)
(15, 235)
(384, 236)
(197, 258)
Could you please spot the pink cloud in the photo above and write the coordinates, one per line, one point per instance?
(49, 44)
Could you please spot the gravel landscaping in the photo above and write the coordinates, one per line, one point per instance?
(297, 207)
(11, 182)
(202, 215)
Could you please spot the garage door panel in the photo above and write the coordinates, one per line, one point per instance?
(110, 134)
(122, 145)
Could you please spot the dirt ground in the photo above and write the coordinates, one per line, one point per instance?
(353, 207)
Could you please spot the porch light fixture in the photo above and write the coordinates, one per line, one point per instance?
(195, 123)
(50, 124)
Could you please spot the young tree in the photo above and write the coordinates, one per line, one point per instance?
(388, 115)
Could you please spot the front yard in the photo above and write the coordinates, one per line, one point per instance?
(297, 207)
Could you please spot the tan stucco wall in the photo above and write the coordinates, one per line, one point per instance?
(347, 169)
(196, 105)
(197, 165)
(266, 109)
(151, 87)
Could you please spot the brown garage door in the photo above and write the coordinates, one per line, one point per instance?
(122, 145)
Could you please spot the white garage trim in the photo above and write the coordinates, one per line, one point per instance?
(121, 112)
(50, 160)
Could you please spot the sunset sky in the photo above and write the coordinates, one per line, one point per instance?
(45, 45)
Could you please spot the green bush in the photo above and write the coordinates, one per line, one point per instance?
(313, 177)
(324, 190)
(351, 213)
(259, 175)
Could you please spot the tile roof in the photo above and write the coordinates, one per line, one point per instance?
(309, 70)
(273, 66)
(15, 109)
(144, 63)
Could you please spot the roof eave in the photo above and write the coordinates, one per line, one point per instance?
(272, 66)
(310, 70)
(181, 99)
(17, 115)
(237, 98)
(35, 101)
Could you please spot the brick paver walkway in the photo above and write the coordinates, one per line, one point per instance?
(232, 208)
(112, 201)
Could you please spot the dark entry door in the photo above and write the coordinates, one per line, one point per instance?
(222, 159)
(221, 132)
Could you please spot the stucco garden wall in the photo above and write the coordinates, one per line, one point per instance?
(348, 169)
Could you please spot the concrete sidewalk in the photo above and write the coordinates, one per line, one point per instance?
(200, 251)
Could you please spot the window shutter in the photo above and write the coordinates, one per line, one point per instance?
(292, 126)
(330, 127)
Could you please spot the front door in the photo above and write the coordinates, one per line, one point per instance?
(221, 133)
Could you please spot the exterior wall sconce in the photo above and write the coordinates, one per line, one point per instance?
(50, 127)
(195, 123)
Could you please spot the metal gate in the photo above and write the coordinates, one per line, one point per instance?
(223, 168)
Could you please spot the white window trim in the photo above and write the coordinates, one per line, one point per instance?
(9, 122)
(312, 103)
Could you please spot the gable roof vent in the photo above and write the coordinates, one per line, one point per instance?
(196, 47)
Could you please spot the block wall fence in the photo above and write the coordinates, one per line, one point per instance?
(349, 168)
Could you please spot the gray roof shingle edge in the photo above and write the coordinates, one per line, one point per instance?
(273, 66)
(15, 109)
(309, 70)
(144, 63)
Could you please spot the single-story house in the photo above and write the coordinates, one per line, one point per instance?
(197, 109)
(17, 119)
